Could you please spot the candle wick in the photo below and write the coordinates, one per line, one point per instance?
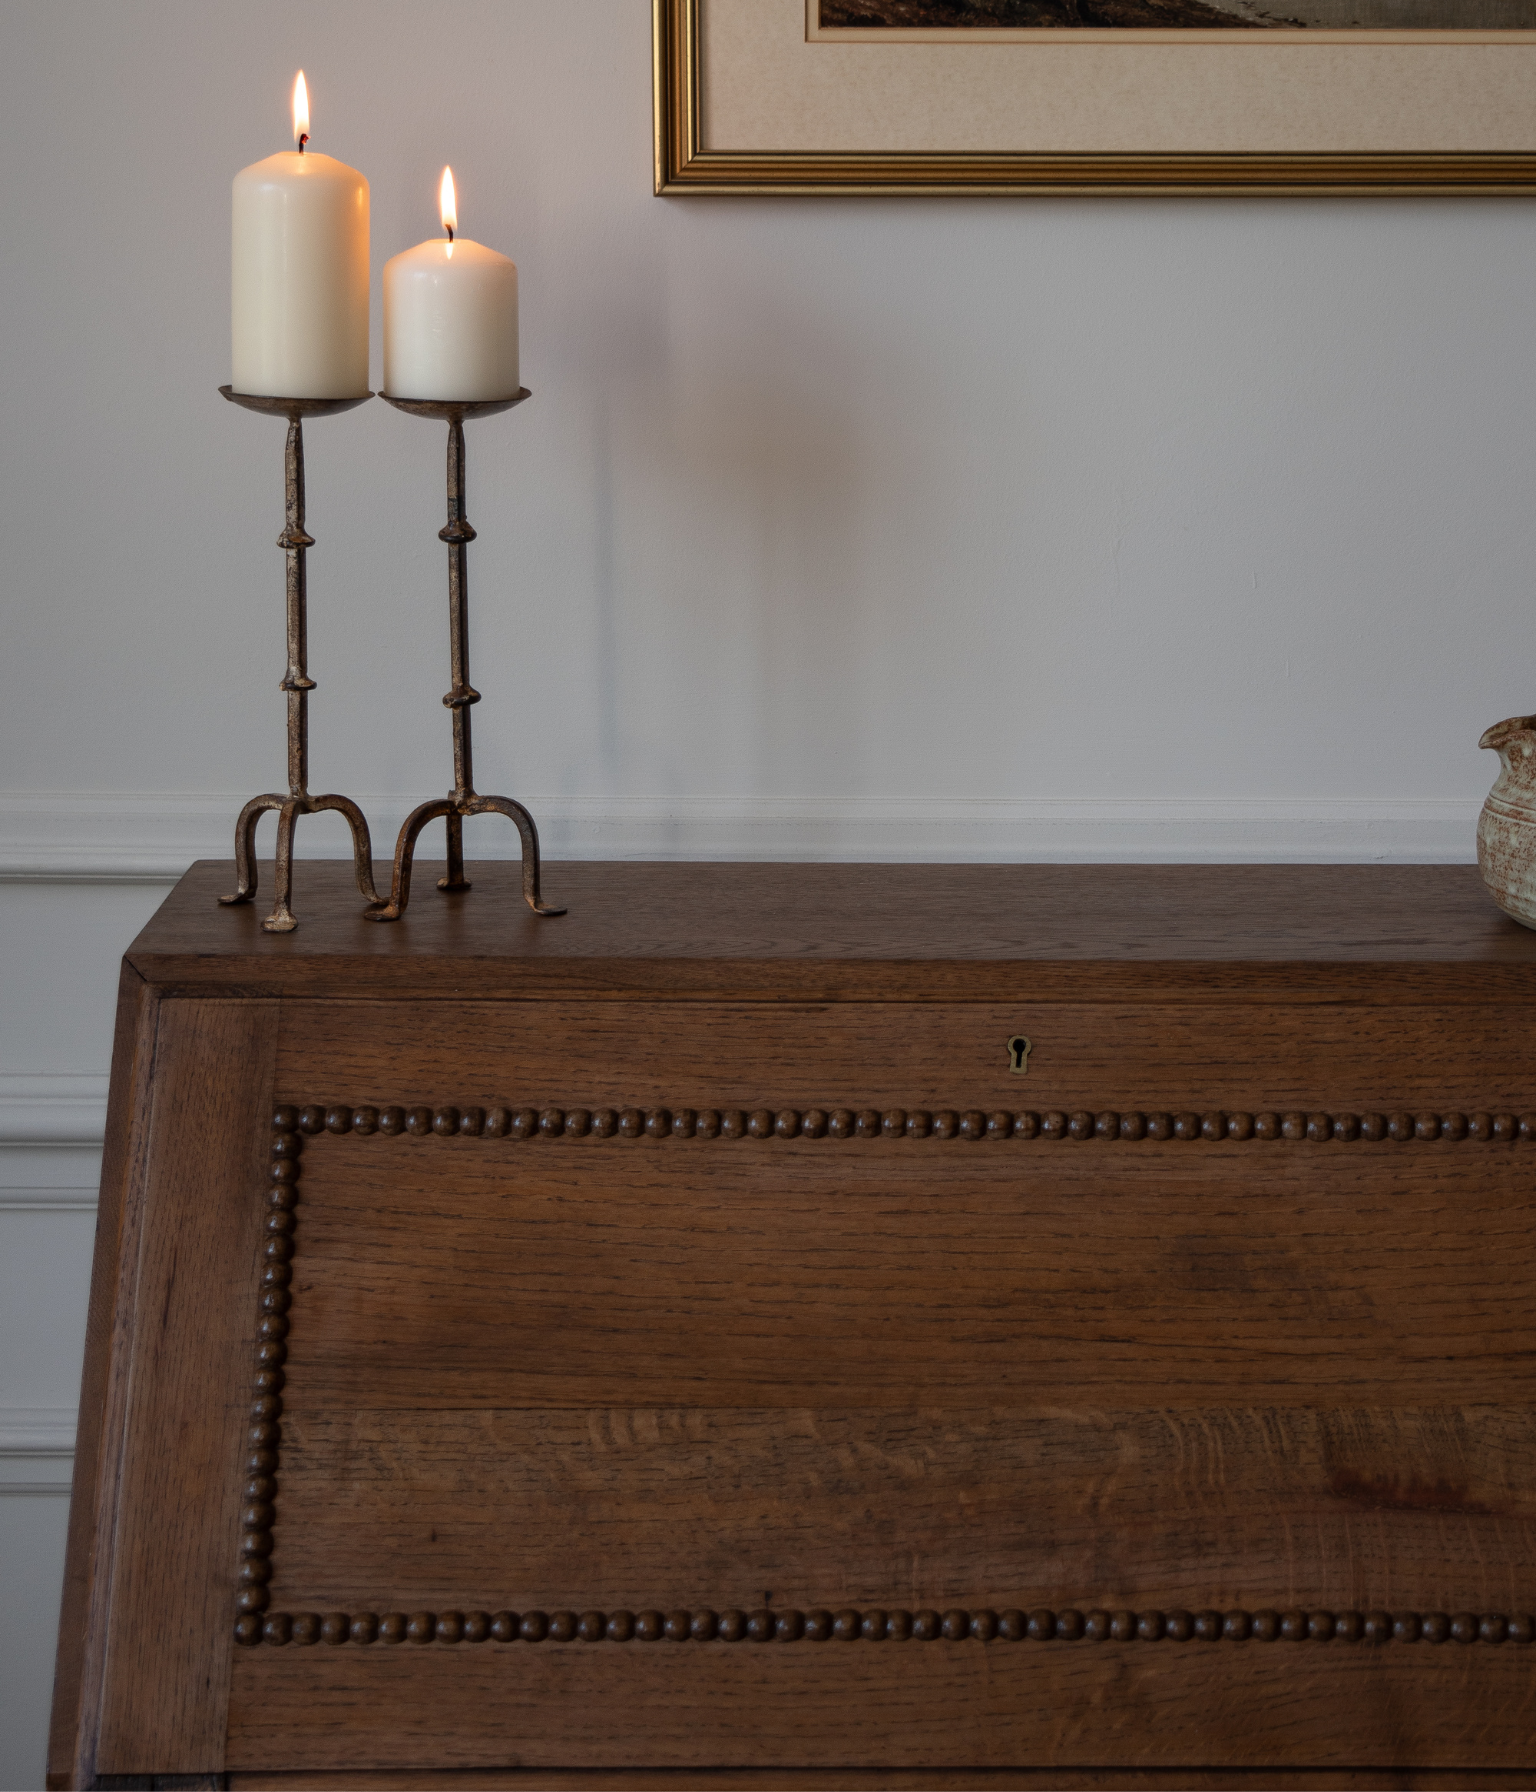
(450, 232)
(303, 139)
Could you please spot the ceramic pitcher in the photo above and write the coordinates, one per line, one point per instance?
(1506, 830)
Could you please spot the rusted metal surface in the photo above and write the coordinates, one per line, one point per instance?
(1506, 829)
(296, 684)
(463, 799)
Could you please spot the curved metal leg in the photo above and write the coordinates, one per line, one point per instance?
(245, 846)
(455, 880)
(282, 919)
(362, 844)
(405, 851)
(524, 823)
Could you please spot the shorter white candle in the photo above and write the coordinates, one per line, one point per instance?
(450, 317)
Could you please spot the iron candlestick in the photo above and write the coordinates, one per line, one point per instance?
(463, 799)
(297, 684)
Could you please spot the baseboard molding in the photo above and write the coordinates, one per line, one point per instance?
(153, 837)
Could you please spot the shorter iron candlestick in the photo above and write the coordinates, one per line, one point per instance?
(463, 799)
(297, 684)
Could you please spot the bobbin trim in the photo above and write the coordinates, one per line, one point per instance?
(263, 1436)
(908, 1123)
(986, 1625)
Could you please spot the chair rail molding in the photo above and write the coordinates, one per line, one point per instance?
(37, 1431)
(37, 1450)
(52, 1108)
(151, 837)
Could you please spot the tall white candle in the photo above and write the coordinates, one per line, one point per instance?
(450, 317)
(299, 273)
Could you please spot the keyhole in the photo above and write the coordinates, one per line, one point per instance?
(1018, 1054)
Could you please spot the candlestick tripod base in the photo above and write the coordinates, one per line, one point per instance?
(297, 684)
(289, 809)
(462, 800)
(453, 809)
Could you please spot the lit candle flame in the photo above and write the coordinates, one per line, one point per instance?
(300, 111)
(448, 204)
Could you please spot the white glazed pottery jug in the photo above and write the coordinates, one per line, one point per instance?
(1506, 829)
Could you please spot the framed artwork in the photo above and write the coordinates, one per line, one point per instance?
(1109, 96)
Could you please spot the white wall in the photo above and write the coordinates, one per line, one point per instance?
(855, 528)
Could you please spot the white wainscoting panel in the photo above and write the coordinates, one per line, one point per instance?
(45, 1260)
(59, 951)
(32, 1529)
(45, 1272)
(60, 947)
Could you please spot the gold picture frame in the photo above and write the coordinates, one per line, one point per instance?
(1337, 112)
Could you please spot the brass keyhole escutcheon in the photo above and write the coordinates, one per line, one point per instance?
(1018, 1054)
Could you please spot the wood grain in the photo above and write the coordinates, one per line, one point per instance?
(168, 1634)
(78, 1676)
(652, 1274)
(877, 1705)
(1174, 933)
(687, 1508)
(1351, 1057)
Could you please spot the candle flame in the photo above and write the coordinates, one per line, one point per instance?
(448, 204)
(300, 111)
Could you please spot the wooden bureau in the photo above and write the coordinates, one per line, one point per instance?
(675, 1337)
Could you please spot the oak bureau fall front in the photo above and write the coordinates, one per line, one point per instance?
(695, 1335)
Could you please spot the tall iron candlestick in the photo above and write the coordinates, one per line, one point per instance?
(297, 684)
(463, 799)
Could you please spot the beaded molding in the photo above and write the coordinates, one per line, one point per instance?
(255, 1624)
(900, 1123)
(878, 1626)
(264, 1436)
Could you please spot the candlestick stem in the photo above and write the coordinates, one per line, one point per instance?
(296, 680)
(463, 799)
(458, 535)
(296, 684)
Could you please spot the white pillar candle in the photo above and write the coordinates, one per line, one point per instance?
(300, 273)
(450, 317)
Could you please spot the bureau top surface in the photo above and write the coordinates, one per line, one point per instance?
(828, 931)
